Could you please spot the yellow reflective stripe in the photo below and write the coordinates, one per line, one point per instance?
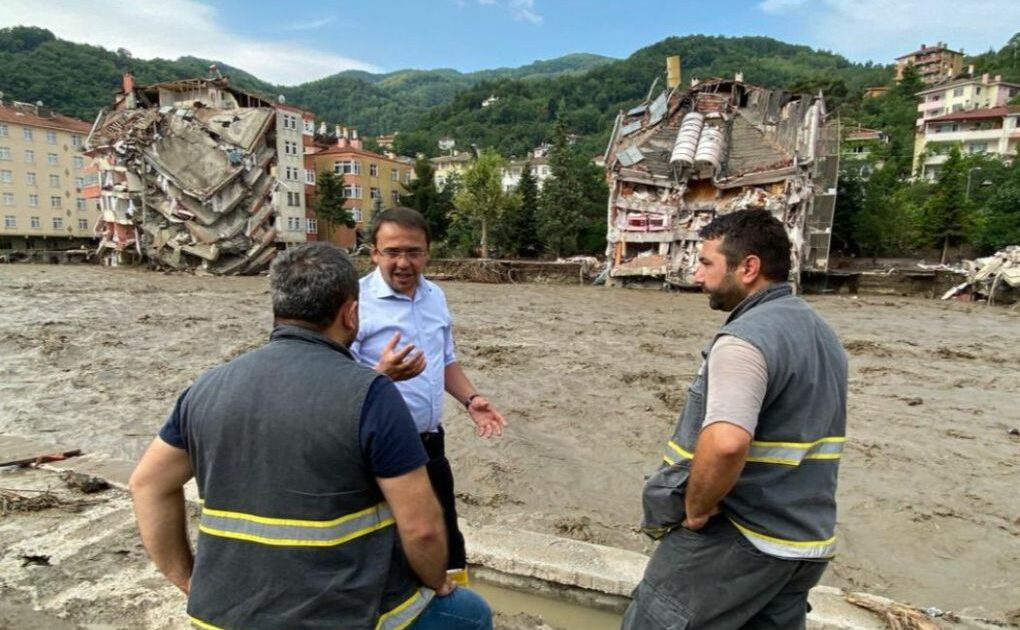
(793, 453)
(292, 522)
(203, 625)
(404, 614)
(295, 532)
(790, 548)
(668, 460)
(802, 445)
(680, 451)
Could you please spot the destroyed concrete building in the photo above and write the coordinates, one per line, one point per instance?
(994, 279)
(677, 160)
(187, 177)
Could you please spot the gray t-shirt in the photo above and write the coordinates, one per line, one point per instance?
(738, 378)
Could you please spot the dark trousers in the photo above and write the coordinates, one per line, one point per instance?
(441, 477)
(714, 579)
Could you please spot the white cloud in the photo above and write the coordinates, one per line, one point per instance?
(525, 10)
(778, 6)
(309, 25)
(882, 30)
(157, 28)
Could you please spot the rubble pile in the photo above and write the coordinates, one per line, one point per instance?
(994, 279)
(677, 161)
(187, 187)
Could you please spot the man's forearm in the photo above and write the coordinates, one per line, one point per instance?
(427, 554)
(718, 460)
(163, 528)
(457, 383)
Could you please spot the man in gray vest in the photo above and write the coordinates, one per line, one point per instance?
(317, 509)
(744, 503)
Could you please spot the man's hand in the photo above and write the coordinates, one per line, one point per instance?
(488, 421)
(694, 523)
(448, 587)
(396, 364)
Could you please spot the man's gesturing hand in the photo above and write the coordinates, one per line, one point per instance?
(396, 364)
(488, 421)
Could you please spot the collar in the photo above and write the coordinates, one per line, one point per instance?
(378, 288)
(769, 293)
(289, 331)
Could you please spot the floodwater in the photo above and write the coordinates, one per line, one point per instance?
(591, 381)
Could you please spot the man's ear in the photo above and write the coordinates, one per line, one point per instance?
(349, 315)
(750, 269)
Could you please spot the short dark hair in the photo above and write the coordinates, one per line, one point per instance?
(752, 232)
(404, 217)
(311, 282)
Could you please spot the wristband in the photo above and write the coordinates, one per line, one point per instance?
(467, 403)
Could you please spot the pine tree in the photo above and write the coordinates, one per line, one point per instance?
(561, 208)
(946, 215)
(330, 203)
(423, 195)
(520, 221)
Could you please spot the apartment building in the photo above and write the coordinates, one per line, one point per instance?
(294, 133)
(859, 149)
(372, 181)
(453, 165)
(933, 63)
(992, 130)
(513, 170)
(42, 174)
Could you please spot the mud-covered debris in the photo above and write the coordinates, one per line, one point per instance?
(85, 483)
(35, 560)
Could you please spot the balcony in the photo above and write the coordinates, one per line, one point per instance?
(983, 135)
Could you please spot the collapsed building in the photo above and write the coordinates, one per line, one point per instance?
(995, 279)
(186, 177)
(676, 161)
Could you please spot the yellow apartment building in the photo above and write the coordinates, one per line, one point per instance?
(42, 174)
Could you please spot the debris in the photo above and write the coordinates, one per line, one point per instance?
(35, 559)
(721, 146)
(1014, 431)
(898, 616)
(13, 501)
(42, 459)
(185, 177)
(86, 483)
(993, 279)
(913, 402)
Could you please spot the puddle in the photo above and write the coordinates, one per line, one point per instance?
(554, 612)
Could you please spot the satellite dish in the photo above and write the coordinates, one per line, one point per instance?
(281, 99)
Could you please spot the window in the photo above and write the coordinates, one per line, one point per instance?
(309, 177)
(977, 91)
(54, 181)
(7, 177)
(373, 169)
(293, 224)
(290, 148)
(3, 131)
(79, 161)
(10, 221)
(374, 193)
(347, 167)
(58, 223)
(52, 159)
(51, 137)
(33, 201)
(311, 226)
(8, 199)
(30, 179)
(55, 201)
(356, 214)
(76, 140)
(80, 204)
(292, 173)
(310, 129)
(293, 199)
(83, 224)
(29, 156)
(977, 147)
(79, 182)
(407, 177)
(395, 196)
(36, 223)
(26, 133)
(958, 91)
(394, 175)
(352, 191)
(5, 153)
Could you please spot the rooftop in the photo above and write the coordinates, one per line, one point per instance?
(36, 116)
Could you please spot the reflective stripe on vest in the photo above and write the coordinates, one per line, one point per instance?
(800, 549)
(785, 453)
(402, 616)
(293, 532)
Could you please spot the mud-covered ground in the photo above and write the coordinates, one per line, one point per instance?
(591, 381)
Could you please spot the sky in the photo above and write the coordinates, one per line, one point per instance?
(293, 41)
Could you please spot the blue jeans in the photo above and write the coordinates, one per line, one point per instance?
(463, 609)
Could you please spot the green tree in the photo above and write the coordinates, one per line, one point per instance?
(998, 221)
(423, 195)
(330, 203)
(481, 198)
(946, 216)
(562, 207)
(519, 226)
(849, 205)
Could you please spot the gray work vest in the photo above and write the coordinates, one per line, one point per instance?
(785, 499)
(294, 531)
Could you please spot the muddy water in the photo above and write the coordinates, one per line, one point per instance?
(591, 381)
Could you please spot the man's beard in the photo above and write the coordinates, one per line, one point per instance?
(727, 296)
